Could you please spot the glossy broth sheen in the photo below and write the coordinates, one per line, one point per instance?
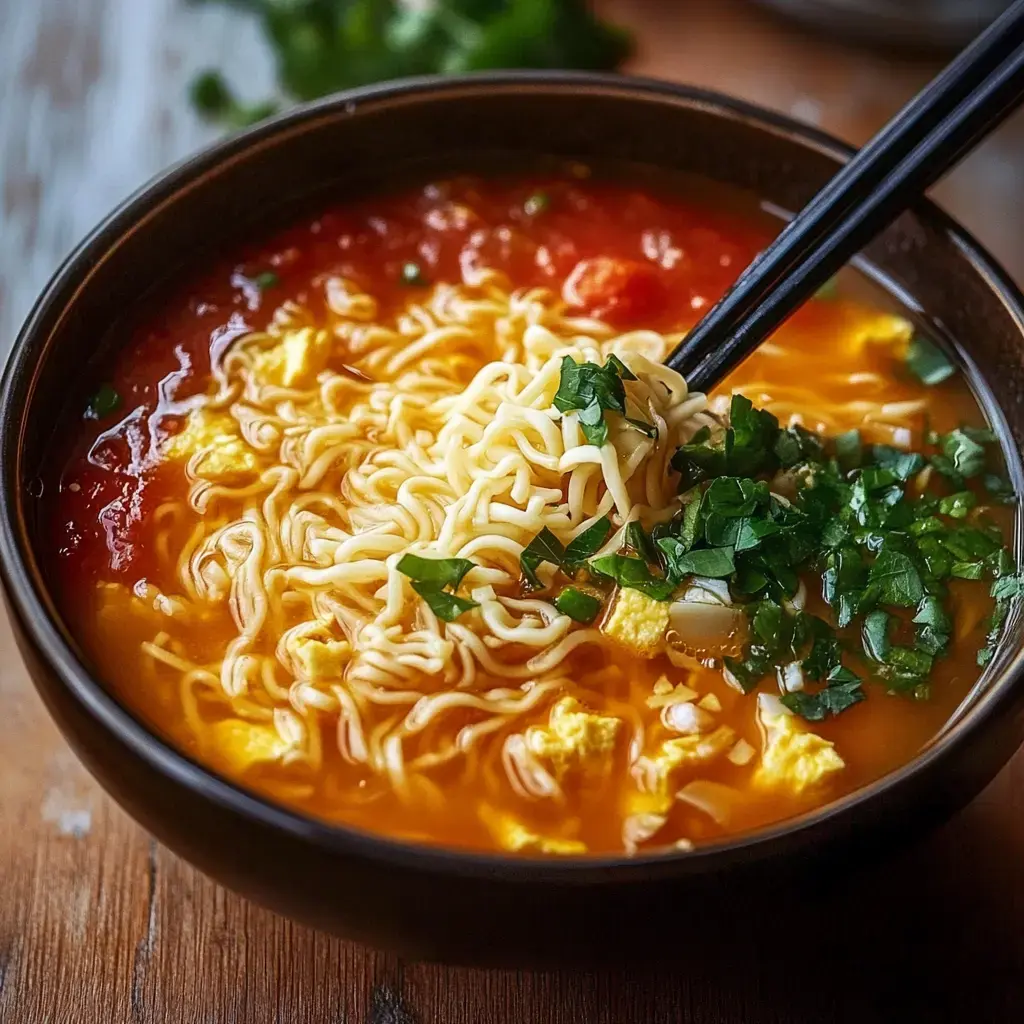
(113, 483)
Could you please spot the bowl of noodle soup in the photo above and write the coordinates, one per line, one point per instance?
(377, 566)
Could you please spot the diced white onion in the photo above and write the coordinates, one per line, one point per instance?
(705, 627)
(790, 677)
(704, 590)
(741, 753)
(686, 718)
(716, 800)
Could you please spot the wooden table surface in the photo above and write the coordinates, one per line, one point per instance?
(99, 924)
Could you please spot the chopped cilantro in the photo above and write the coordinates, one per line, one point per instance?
(842, 690)
(588, 543)
(323, 46)
(1007, 587)
(447, 607)
(440, 572)
(578, 605)
(537, 203)
(963, 452)
(999, 488)
(927, 362)
(876, 634)
(635, 574)
(717, 563)
(958, 505)
(593, 390)
(268, 279)
(967, 570)
(897, 578)
(639, 540)
(412, 274)
(103, 403)
(430, 577)
(857, 517)
(745, 448)
(545, 547)
(849, 449)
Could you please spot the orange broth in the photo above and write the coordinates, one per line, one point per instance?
(685, 253)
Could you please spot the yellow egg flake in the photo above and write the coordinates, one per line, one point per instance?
(638, 622)
(321, 659)
(658, 773)
(709, 702)
(514, 836)
(696, 749)
(638, 802)
(223, 454)
(296, 360)
(574, 737)
(882, 329)
(792, 758)
(245, 744)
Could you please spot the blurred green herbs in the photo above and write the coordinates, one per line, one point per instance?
(322, 46)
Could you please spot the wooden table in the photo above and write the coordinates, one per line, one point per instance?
(98, 924)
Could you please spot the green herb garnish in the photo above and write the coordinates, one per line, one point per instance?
(537, 203)
(213, 99)
(856, 518)
(587, 544)
(843, 689)
(593, 390)
(546, 547)
(578, 605)
(639, 540)
(430, 577)
(103, 403)
(323, 46)
(927, 362)
(412, 275)
(635, 574)
(268, 279)
(745, 448)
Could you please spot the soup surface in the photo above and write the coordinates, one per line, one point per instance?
(354, 521)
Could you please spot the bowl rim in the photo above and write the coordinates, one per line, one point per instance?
(29, 599)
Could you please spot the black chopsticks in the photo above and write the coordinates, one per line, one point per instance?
(916, 148)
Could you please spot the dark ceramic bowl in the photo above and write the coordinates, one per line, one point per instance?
(431, 902)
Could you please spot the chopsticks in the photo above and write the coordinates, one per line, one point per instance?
(925, 139)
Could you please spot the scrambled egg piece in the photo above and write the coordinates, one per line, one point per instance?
(659, 770)
(638, 621)
(244, 744)
(225, 453)
(573, 737)
(515, 836)
(882, 329)
(322, 659)
(639, 803)
(296, 360)
(792, 759)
